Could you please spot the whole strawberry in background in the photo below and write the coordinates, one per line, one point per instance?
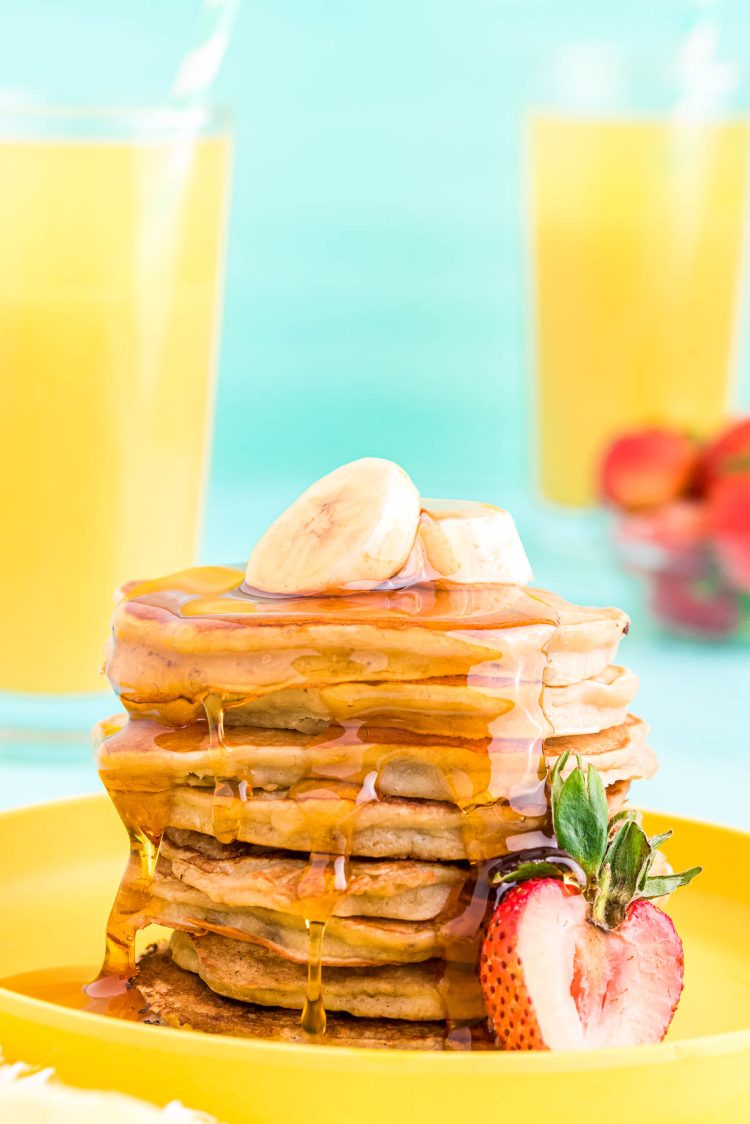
(648, 468)
(724, 478)
(683, 523)
(727, 455)
(729, 526)
(577, 955)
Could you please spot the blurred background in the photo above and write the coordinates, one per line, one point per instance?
(378, 293)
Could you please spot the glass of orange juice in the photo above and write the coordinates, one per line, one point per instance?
(112, 229)
(637, 219)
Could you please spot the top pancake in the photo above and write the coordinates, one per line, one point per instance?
(180, 639)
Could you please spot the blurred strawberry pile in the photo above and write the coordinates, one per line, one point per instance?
(683, 521)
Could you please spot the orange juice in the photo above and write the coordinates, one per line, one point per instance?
(637, 234)
(110, 268)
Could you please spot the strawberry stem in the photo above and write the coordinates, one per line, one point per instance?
(614, 855)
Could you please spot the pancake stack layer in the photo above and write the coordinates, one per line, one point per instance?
(319, 790)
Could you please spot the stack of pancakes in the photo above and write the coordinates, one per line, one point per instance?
(319, 791)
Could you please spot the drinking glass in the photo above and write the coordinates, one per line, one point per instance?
(637, 206)
(112, 228)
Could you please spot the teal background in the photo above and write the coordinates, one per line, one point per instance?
(375, 283)
(375, 298)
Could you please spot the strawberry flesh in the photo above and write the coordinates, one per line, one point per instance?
(553, 980)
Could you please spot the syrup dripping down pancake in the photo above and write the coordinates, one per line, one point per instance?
(470, 706)
(240, 875)
(329, 820)
(179, 998)
(452, 706)
(145, 755)
(347, 942)
(241, 970)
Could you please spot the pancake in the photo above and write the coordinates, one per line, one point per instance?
(144, 754)
(244, 971)
(178, 998)
(619, 753)
(176, 640)
(348, 941)
(242, 876)
(450, 706)
(330, 820)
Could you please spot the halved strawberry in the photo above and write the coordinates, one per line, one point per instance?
(552, 980)
(589, 962)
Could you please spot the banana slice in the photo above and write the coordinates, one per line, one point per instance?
(471, 543)
(353, 529)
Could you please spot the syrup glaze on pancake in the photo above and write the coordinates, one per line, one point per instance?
(195, 648)
(347, 942)
(327, 819)
(175, 639)
(217, 896)
(453, 706)
(147, 756)
(240, 875)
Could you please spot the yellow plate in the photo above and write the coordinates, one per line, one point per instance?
(60, 864)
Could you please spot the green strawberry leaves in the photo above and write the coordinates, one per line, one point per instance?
(579, 814)
(657, 840)
(620, 873)
(615, 854)
(526, 870)
(624, 874)
(661, 884)
(539, 868)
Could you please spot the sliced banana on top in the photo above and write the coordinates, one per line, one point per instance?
(364, 524)
(471, 543)
(352, 529)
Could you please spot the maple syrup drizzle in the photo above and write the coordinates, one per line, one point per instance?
(134, 899)
(463, 920)
(499, 788)
(324, 882)
(229, 792)
(313, 1017)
